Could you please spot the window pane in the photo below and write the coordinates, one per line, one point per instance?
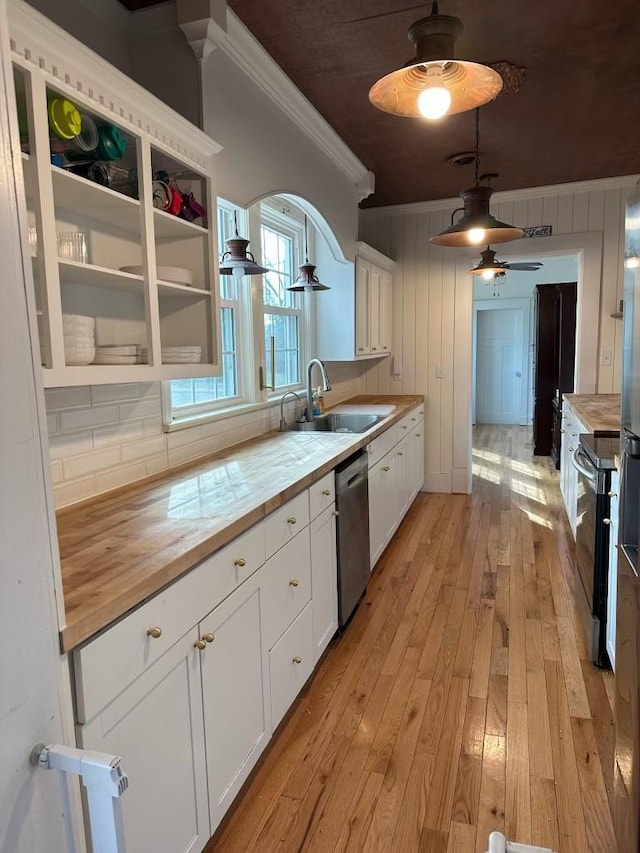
(284, 328)
(277, 255)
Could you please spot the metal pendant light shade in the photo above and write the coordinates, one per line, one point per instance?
(307, 280)
(477, 225)
(236, 259)
(468, 84)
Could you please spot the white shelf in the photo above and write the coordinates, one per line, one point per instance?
(169, 227)
(76, 194)
(89, 274)
(169, 288)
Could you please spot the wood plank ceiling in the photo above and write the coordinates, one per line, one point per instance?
(576, 116)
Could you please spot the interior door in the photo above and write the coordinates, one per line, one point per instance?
(500, 362)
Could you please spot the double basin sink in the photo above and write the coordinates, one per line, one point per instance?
(338, 422)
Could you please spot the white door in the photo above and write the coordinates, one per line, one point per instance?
(501, 365)
(35, 696)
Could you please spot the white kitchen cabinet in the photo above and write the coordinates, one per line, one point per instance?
(235, 691)
(324, 580)
(354, 322)
(291, 662)
(114, 213)
(287, 587)
(612, 585)
(396, 475)
(571, 430)
(156, 725)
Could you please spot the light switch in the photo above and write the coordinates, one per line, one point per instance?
(440, 372)
(606, 358)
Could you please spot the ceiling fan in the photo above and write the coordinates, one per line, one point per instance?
(490, 268)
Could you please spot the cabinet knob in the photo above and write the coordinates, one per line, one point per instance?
(571, 450)
(296, 659)
(360, 349)
(208, 638)
(418, 434)
(374, 349)
(240, 561)
(413, 419)
(613, 494)
(606, 521)
(291, 520)
(563, 431)
(335, 513)
(326, 492)
(200, 645)
(294, 582)
(386, 468)
(384, 347)
(404, 426)
(154, 632)
(400, 453)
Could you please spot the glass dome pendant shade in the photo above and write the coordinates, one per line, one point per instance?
(237, 261)
(307, 280)
(469, 84)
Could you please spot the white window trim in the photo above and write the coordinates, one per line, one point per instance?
(250, 327)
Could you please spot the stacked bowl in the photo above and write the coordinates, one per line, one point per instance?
(79, 338)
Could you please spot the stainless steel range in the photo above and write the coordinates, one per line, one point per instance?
(594, 460)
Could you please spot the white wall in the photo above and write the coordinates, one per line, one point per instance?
(35, 701)
(432, 301)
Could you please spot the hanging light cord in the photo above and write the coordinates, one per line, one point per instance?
(306, 242)
(477, 151)
(235, 222)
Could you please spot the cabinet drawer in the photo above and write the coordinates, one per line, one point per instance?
(286, 587)
(291, 664)
(407, 424)
(381, 445)
(283, 524)
(322, 495)
(106, 665)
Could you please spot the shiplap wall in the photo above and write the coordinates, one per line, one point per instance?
(102, 437)
(432, 300)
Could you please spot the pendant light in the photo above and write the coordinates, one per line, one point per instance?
(433, 83)
(488, 267)
(237, 261)
(476, 225)
(306, 280)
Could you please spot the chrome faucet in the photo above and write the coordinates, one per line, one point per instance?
(326, 385)
(283, 423)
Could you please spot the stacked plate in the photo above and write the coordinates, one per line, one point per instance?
(117, 354)
(178, 355)
(79, 334)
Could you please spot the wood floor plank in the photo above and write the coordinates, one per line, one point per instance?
(459, 700)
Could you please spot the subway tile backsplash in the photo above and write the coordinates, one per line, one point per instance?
(106, 436)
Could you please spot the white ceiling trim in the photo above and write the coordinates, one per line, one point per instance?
(507, 195)
(249, 55)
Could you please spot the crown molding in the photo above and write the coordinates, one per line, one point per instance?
(40, 45)
(598, 184)
(248, 54)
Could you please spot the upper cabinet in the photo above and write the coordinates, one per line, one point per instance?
(354, 322)
(121, 218)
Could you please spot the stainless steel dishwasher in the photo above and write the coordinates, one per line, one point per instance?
(352, 503)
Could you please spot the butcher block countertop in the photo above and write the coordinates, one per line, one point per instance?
(121, 548)
(598, 412)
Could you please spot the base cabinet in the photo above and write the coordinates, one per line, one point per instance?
(156, 724)
(395, 478)
(612, 585)
(237, 718)
(324, 580)
(571, 430)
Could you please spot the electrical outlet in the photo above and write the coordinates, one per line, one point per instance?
(606, 358)
(440, 374)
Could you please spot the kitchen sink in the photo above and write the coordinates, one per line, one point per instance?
(342, 422)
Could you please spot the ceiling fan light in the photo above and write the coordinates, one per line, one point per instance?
(487, 275)
(469, 84)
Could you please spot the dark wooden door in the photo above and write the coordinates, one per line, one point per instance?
(555, 319)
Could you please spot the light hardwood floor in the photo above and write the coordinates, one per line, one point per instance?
(459, 700)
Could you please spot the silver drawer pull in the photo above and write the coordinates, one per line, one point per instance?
(291, 520)
(240, 561)
(296, 659)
